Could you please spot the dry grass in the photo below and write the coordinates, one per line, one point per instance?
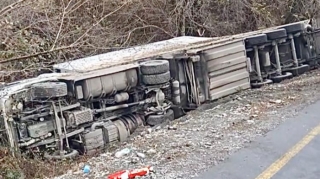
(20, 166)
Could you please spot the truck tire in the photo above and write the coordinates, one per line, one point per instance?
(178, 112)
(156, 79)
(154, 119)
(277, 34)
(293, 28)
(257, 39)
(297, 71)
(280, 78)
(49, 90)
(154, 67)
(170, 114)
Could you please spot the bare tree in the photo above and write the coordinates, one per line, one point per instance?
(42, 33)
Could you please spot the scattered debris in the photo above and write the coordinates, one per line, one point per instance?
(278, 101)
(173, 127)
(131, 174)
(86, 169)
(149, 130)
(151, 151)
(207, 136)
(141, 155)
(122, 152)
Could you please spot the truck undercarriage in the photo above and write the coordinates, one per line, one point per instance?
(61, 116)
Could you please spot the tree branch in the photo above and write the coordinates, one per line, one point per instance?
(12, 6)
(143, 27)
(99, 21)
(36, 54)
(61, 24)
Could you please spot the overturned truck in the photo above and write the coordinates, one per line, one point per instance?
(89, 103)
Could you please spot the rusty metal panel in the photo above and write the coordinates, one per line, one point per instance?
(227, 69)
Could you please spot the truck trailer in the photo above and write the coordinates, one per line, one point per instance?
(89, 103)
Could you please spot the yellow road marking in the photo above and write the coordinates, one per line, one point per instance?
(282, 161)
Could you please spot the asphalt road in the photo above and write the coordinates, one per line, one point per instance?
(291, 151)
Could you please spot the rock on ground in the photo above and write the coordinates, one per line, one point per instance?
(207, 136)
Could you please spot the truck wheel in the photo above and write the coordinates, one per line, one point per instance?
(178, 112)
(154, 119)
(277, 34)
(280, 78)
(257, 39)
(261, 84)
(156, 79)
(296, 71)
(170, 115)
(56, 156)
(154, 67)
(49, 90)
(293, 28)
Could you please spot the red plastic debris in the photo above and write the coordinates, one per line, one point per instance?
(131, 174)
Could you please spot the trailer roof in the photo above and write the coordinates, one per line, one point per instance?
(134, 54)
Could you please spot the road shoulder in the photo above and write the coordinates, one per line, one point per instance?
(266, 150)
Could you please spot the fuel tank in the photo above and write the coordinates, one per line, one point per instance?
(107, 84)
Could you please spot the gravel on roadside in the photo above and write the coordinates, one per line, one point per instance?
(203, 138)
